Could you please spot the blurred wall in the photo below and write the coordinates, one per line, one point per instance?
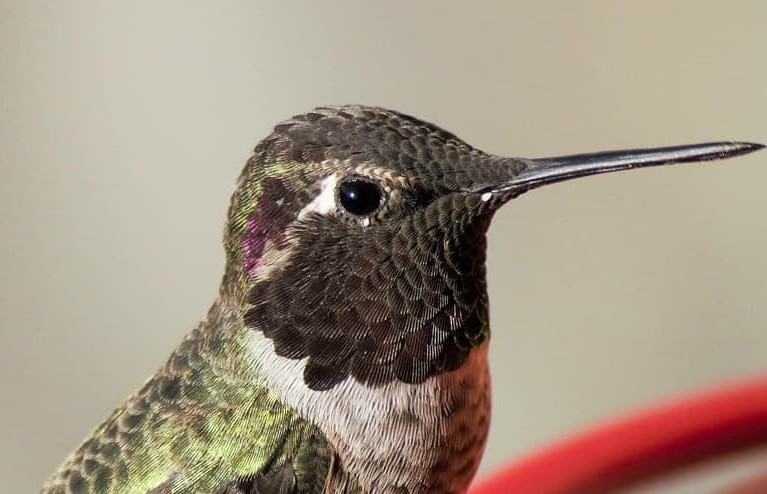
(124, 126)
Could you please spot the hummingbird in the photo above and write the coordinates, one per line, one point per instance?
(346, 352)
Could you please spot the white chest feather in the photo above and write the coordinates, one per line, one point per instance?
(397, 438)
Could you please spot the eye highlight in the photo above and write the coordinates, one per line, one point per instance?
(360, 196)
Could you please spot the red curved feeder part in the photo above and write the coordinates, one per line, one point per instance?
(644, 445)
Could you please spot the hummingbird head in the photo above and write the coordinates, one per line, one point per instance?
(360, 234)
(356, 237)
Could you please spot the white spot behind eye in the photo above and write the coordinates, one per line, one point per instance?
(486, 196)
(325, 200)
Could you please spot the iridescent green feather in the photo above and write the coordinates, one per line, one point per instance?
(198, 425)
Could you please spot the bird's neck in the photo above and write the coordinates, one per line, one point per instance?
(398, 437)
(388, 437)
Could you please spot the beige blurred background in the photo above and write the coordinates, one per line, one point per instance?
(124, 126)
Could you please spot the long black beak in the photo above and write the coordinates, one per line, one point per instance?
(538, 172)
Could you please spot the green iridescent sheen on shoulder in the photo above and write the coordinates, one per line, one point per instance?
(197, 426)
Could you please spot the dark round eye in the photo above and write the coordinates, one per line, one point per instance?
(360, 197)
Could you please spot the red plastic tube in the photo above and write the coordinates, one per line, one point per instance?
(643, 445)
